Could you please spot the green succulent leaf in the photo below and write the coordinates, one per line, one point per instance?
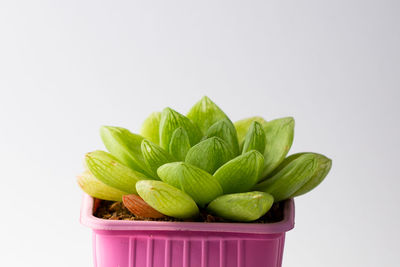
(324, 165)
(205, 113)
(151, 128)
(290, 178)
(242, 126)
(255, 138)
(243, 207)
(179, 144)
(225, 130)
(199, 184)
(167, 199)
(125, 146)
(209, 154)
(155, 156)
(170, 121)
(241, 173)
(279, 138)
(93, 187)
(107, 169)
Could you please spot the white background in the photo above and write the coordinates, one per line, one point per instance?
(67, 67)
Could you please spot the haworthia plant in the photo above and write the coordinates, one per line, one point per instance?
(234, 171)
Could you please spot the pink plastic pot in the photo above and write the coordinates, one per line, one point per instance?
(186, 244)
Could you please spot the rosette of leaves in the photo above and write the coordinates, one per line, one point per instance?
(178, 165)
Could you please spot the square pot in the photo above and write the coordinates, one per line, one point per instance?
(186, 244)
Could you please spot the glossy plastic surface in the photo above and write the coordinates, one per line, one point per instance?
(186, 244)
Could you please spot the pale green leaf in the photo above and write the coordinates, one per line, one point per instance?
(167, 199)
(209, 154)
(205, 113)
(242, 207)
(155, 156)
(107, 169)
(242, 127)
(170, 121)
(241, 173)
(93, 187)
(324, 165)
(197, 183)
(225, 130)
(279, 138)
(125, 146)
(255, 138)
(290, 178)
(179, 144)
(151, 127)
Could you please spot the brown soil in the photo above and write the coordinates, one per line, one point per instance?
(116, 211)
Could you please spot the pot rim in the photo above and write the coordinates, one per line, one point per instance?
(87, 219)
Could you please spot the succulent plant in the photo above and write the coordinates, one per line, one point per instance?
(179, 165)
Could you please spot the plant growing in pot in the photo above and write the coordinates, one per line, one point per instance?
(195, 190)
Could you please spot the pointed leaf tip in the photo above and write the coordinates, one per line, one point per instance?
(170, 121)
(151, 127)
(205, 113)
(242, 127)
(254, 139)
(279, 138)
